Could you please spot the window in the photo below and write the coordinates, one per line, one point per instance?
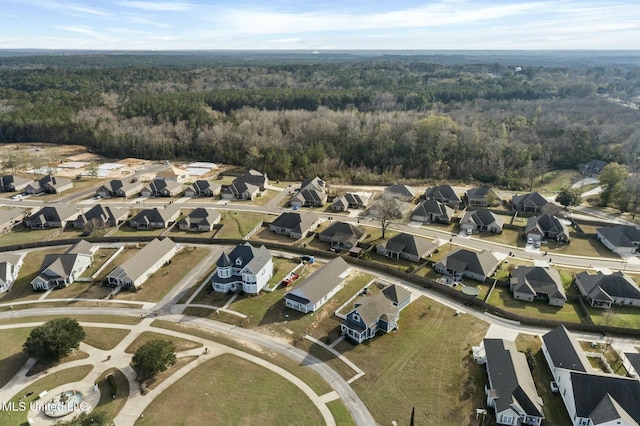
(356, 317)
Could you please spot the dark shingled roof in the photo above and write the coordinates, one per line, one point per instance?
(590, 389)
(444, 193)
(621, 235)
(296, 222)
(411, 244)
(565, 351)
(533, 198)
(320, 283)
(536, 279)
(461, 260)
(617, 284)
(482, 217)
(433, 207)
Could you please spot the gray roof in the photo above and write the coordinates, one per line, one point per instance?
(411, 244)
(400, 190)
(481, 193)
(374, 307)
(156, 214)
(315, 183)
(565, 351)
(203, 184)
(142, 261)
(238, 187)
(482, 217)
(511, 378)
(546, 223)
(253, 177)
(7, 180)
(312, 195)
(534, 198)
(442, 193)
(159, 185)
(589, 390)
(82, 247)
(104, 213)
(55, 214)
(247, 256)
(296, 222)
(342, 231)
(321, 282)
(634, 360)
(482, 263)
(433, 207)
(621, 235)
(61, 265)
(54, 181)
(617, 284)
(595, 166)
(201, 215)
(9, 257)
(536, 279)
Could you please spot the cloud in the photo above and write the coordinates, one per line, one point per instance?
(146, 21)
(81, 29)
(286, 40)
(73, 7)
(156, 6)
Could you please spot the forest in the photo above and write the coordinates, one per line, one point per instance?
(352, 118)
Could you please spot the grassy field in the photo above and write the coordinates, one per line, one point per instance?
(165, 278)
(80, 289)
(508, 237)
(108, 404)
(555, 180)
(502, 298)
(340, 413)
(100, 257)
(209, 395)
(554, 410)
(171, 370)
(11, 356)
(127, 231)
(129, 320)
(237, 224)
(589, 247)
(21, 289)
(181, 344)
(426, 365)
(70, 375)
(104, 338)
(616, 316)
(22, 235)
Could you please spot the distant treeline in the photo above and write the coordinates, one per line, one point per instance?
(357, 120)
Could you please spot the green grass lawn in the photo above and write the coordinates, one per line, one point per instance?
(22, 235)
(555, 180)
(181, 344)
(108, 404)
(237, 224)
(281, 267)
(120, 319)
(165, 278)
(502, 298)
(11, 356)
(616, 316)
(508, 237)
(210, 393)
(100, 257)
(426, 365)
(80, 289)
(127, 231)
(340, 413)
(104, 338)
(589, 247)
(70, 375)
(554, 410)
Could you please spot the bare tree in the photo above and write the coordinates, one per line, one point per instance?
(387, 209)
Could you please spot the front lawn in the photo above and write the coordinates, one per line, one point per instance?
(104, 338)
(508, 237)
(589, 247)
(181, 344)
(209, 394)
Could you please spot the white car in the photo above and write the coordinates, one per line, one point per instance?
(529, 240)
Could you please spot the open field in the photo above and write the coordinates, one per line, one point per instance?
(555, 180)
(165, 278)
(237, 224)
(104, 338)
(554, 411)
(11, 356)
(218, 377)
(502, 298)
(70, 375)
(426, 365)
(22, 289)
(181, 344)
(171, 370)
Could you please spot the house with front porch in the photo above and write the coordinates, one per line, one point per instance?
(351, 200)
(531, 283)
(620, 239)
(294, 225)
(406, 246)
(530, 203)
(246, 268)
(483, 196)
(49, 184)
(240, 190)
(379, 312)
(101, 216)
(546, 227)
(511, 391)
(602, 291)
(60, 270)
(136, 270)
(162, 188)
(342, 235)
(120, 188)
(52, 217)
(432, 211)
(200, 220)
(467, 263)
(482, 220)
(315, 290)
(203, 188)
(400, 192)
(155, 218)
(444, 194)
(312, 193)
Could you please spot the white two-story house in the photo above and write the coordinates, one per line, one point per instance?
(246, 268)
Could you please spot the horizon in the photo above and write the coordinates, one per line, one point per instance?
(358, 25)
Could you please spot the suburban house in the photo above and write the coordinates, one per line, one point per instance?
(50, 185)
(511, 391)
(400, 192)
(351, 200)
(312, 193)
(120, 188)
(466, 263)
(161, 188)
(546, 227)
(255, 178)
(10, 218)
(10, 264)
(432, 211)
(60, 270)
(591, 398)
(482, 197)
(102, 216)
(602, 291)
(631, 361)
(531, 283)
(200, 220)
(294, 225)
(342, 235)
(482, 220)
(246, 268)
(240, 190)
(380, 311)
(620, 239)
(12, 183)
(203, 188)
(406, 246)
(532, 202)
(593, 167)
(173, 173)
(136, 270)
(52, 217)
(443, 194)
(155, 217)
(317, 288)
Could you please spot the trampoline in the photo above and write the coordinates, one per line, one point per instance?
(470, 291)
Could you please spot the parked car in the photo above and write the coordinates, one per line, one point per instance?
(530, 240)
(469, 231)
(536, 244)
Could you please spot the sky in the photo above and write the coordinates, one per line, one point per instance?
(320, 24)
